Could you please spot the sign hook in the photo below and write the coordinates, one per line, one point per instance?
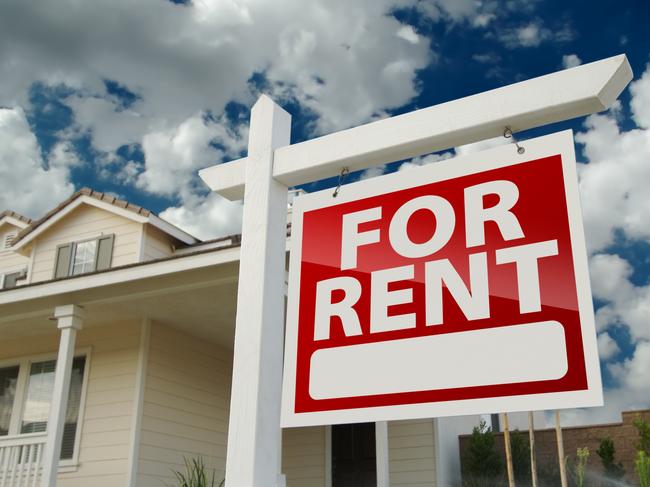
(344, 172)
(507, 133)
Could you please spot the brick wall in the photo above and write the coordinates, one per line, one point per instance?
(623, 434)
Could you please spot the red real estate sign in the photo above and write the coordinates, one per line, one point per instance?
(459, 287)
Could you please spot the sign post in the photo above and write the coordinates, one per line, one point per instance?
(274, 165)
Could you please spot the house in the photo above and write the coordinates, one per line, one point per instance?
(142, 316)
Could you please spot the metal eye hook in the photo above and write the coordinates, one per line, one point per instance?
(344, 172)
(507, 133)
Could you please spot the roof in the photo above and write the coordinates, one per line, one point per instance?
(17, 216)
(142, 214)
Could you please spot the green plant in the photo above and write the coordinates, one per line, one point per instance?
(482, 463)
(520, 449)
(642, 467)
(607, 453)
(643, 427)
(195, 475)
(581, 465)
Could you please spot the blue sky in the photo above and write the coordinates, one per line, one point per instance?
(134, 97)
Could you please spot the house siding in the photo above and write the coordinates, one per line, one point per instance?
(106, 424)
(411, 453)
(303, 456)
(185, 406)
(86, 222)
(13, 262)
(157, 245)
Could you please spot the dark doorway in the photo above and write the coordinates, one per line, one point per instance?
(353, 455)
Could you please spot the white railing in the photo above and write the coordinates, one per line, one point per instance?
(21, 459)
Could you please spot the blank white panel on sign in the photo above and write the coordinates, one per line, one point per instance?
(503, 355)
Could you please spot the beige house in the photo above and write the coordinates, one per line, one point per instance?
(141, 315)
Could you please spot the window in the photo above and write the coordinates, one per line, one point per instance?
(77, 258)
(28, 412)
(10, 280)
(354, 455)
(84, 257)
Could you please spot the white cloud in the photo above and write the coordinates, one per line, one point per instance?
(426, 159)
(28, 186)
(206, 218)
(613, 186)
(172, 157)
(571, 61)
(346, 63)
(407, 33)
(640, 103)
(607, 346)
(533, 34)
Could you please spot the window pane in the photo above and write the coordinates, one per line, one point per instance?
(8, 379)
(84, 257)
(72, 413)
(39, 397)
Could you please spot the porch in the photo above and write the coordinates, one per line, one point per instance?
(146, 377)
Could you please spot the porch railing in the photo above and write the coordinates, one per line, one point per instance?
(21, 459)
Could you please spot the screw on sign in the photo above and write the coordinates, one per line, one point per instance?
(456, 288)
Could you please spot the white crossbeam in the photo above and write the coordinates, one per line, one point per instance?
(555, 97)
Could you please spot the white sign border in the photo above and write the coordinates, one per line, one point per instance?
(560, 143)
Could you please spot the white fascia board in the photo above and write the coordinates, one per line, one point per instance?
(13, 221)
(172, 230)
(558, 96)
(72, 206)
(115, 276)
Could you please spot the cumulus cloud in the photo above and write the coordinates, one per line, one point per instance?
(207, 217)
(532, 34)
(344, 63)
(613, 186)
(29, 186)
(571, 61)
(607, 346)
(173, 156)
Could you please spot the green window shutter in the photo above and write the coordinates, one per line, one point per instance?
(62, 265)
(104, 252)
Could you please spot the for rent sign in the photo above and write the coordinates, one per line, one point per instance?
(456, 288)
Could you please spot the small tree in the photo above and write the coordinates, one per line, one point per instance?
(642, 467)
(607, 453)
(520, 457)
(482, 461)
(581, 465)
(643, 427)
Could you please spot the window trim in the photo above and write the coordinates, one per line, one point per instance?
(73, 255)
(22, 274)
(24, 364)
(73, 252)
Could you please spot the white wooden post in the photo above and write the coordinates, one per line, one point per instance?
(254, 432)
(69, 320)
(272, 165)
(381, 449)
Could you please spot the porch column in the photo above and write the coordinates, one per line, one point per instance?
(69, 320)
(381, 453)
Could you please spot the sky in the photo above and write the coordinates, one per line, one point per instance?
(133, 98)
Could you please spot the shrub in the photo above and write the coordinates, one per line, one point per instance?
(607, 453)
(581, 465)
(643, 427)
(642, 467)
(482, 462)
(520, 449)
(195, 475)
